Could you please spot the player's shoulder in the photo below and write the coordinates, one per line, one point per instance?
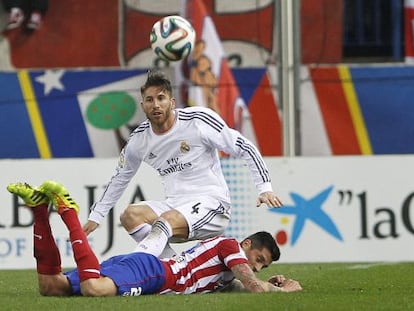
(197, 110)
(228, 246)
(139, 135)
(201, 115)
(228, 239)
(142, 128)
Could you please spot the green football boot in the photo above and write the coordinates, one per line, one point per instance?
(59, 196)
(31, 196)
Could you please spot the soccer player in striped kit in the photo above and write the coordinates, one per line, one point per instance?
(182, 146)
(218, 263)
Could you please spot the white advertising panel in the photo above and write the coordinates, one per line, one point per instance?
(336, 209)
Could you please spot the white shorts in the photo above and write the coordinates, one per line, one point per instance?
(206, 217)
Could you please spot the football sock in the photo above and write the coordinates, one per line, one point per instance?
(157, 239)
(168, 252)
(140, 232)
(85, 258)
(45, 249)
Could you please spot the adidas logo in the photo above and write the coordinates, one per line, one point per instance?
(151, 156)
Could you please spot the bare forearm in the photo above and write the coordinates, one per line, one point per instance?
(250, 282)
(236, 286)
(246, 276)
(259, 286)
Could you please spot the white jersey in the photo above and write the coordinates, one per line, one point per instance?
(185, 157)
(204, 268)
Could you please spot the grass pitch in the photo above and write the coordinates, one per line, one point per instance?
(326, 287)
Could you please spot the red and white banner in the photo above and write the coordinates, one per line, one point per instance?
(212, 81)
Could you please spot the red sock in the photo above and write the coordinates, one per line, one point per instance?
(44, 246)
(86, 261)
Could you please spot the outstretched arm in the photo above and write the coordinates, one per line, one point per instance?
(234, 143)
(252, 284)
(249, 280)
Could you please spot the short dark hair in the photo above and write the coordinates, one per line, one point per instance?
(157, 78)
(263, 239)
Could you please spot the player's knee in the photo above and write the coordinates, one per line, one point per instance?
(89, 289)
(99, 287)
(90, 292)
(128, 216)
(133, 216)
(174, 218)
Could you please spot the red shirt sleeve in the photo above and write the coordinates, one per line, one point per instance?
(231, 253)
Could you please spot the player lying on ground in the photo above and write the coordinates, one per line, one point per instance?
(209, 266)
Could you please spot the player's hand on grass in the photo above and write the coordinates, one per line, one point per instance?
(277, 280)
(270, 199)
(289, 286)
(90, 226)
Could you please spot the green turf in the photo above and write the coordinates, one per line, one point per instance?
(326, 287)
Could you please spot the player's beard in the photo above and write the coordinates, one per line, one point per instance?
(162, 122)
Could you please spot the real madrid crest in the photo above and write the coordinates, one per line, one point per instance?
(184, 147)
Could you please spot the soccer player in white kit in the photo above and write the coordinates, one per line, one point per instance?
(182, 146)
